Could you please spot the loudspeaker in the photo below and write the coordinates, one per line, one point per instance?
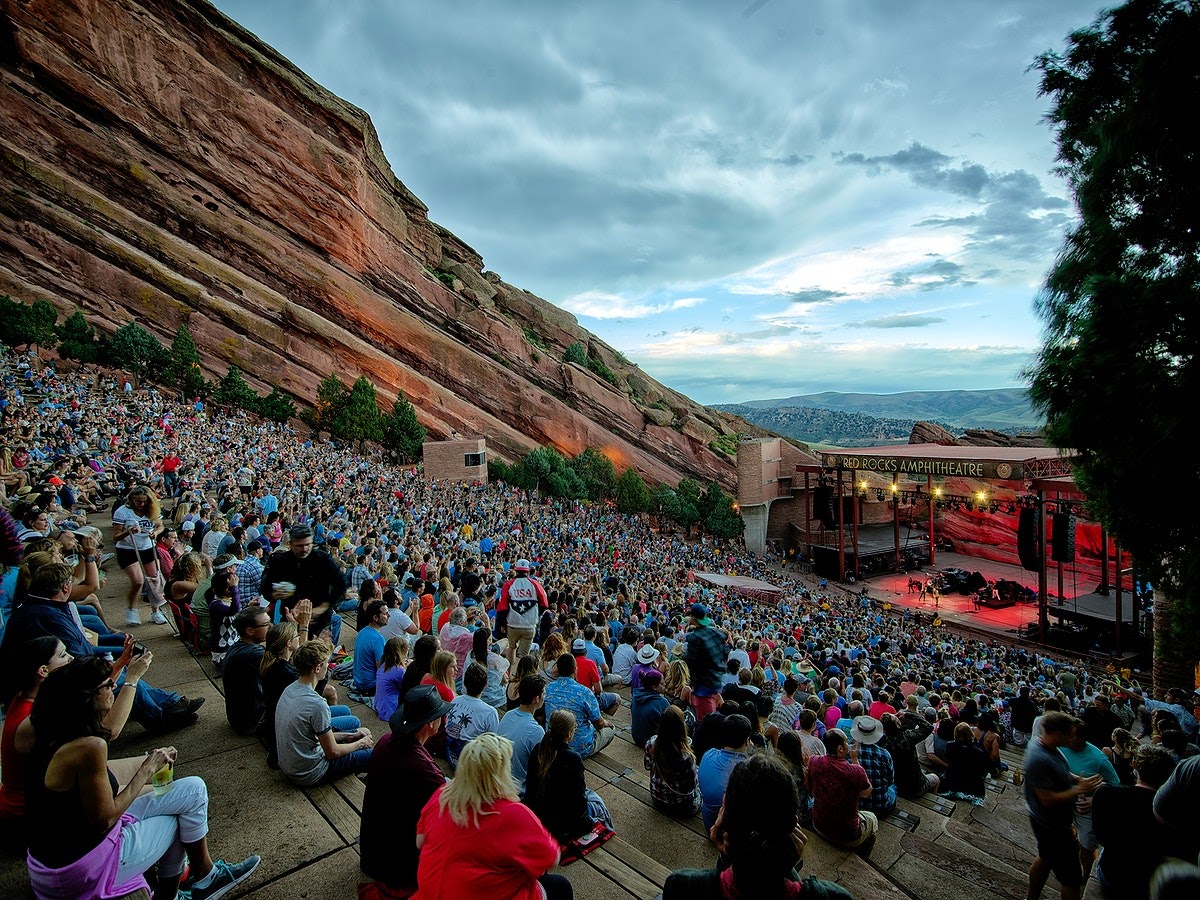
(1027, 540)
(823, 506)
(1062, 539)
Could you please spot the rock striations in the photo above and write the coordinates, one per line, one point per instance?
(159, 162)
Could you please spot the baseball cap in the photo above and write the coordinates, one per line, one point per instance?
(579, 645)
(188, 526)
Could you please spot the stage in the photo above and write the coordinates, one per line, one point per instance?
(1073, 622)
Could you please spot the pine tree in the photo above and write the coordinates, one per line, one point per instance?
(136, 349)
(596, 472)
(233, 392)
(631, 493)
(332, 396)
(402, 433)
(182, 370)
(277, 406)
(1117, 374)
(359, 419)
(77, 339)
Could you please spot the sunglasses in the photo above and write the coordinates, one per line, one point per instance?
(105, 686)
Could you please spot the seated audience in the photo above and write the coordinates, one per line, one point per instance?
(469, 716)
(592, 732)
(674, 774)
(390, 676)
(838, 784)
(717, 763)
(647, 707)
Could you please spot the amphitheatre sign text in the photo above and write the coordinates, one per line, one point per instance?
(905, 465)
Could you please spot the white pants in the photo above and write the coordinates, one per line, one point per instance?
(164, 824)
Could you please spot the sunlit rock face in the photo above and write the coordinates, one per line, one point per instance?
(162, 164)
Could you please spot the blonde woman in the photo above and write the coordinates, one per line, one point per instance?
(443, 672)
(469, 829)
(136, 525)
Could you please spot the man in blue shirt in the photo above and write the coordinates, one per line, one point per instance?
(368, 647)
(520, 726)
(718, 763)
(592, 731)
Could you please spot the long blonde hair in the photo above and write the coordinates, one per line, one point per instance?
(153, 507)
(677, 678)
(483, 776)
(439, 668)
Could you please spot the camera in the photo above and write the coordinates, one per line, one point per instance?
(138, 650)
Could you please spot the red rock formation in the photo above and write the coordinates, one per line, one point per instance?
(158, 162)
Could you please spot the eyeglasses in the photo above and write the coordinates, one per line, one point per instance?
(105, 686)
(262, 625)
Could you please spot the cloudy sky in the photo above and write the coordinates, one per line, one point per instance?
(749, 198)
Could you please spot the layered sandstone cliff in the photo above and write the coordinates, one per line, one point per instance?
(158, 162)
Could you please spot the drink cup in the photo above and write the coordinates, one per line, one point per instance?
(163, 780)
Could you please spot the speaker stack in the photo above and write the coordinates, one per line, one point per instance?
(823, 505)
(1027, 540)
(1062, 538)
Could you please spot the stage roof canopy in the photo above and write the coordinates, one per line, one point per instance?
(1001, 463)
(742, 584)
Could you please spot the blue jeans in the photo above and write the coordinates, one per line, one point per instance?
(110, 640)
(607, 700)
(351, 762)
(149, 703)
(341, 720)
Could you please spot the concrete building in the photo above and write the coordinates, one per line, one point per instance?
(462, 459)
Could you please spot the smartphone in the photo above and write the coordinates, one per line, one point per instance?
(138, 650)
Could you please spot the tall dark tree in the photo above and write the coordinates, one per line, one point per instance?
(402, 433)
(277, 406)
(77, 339)
(721, 518)
(1116, 376)
(182, 369)
(332, 396)
(233, 391)
(135, 349)
(28, 324)
(631, 493)
(597, 473)
(359, 419)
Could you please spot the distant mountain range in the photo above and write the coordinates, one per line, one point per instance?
(864, 420)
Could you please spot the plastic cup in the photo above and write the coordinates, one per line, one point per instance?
(163, 780)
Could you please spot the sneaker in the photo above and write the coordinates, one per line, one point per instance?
(225, 877)
(157, 617)
(133, 617)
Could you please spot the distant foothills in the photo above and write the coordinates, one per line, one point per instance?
(867, 420)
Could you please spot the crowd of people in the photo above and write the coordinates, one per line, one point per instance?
(492, 628)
